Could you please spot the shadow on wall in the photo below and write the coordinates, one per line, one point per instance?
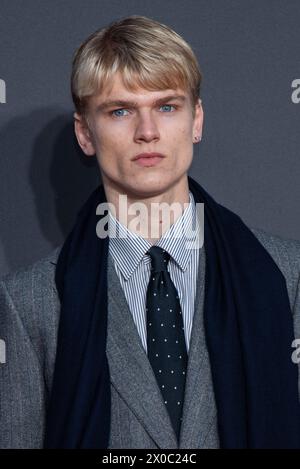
(45, 179)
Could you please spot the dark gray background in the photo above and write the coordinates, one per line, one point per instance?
(248, 160)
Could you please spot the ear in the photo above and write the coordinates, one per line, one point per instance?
(83, 135)
(198, 120)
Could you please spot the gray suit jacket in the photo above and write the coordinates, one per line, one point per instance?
(29, 317)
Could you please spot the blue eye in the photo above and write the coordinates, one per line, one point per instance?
(167, 105)
(118, 111)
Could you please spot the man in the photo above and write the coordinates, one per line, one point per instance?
(141, 340)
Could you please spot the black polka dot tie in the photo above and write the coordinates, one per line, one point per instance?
(165, 335)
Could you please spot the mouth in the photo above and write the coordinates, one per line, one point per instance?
(148, 159)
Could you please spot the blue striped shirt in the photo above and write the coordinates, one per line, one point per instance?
(133, 265)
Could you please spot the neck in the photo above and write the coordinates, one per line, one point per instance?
(148, 216)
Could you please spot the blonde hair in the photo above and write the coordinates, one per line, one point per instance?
(148, 54)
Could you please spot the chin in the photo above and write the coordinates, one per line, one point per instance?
(149, 190)
(145, 187)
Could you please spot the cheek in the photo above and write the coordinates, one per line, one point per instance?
(182, 131)
(112, 135)
(182, 137)
(110, 152)
(183, 146)
(107, 142)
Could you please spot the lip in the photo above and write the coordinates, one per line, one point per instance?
(148, 159)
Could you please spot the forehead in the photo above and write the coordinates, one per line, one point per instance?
(116, 90)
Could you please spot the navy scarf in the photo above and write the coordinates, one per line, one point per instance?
(248, 326)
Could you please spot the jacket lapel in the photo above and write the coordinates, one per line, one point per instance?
(199, 410)
(130, 371)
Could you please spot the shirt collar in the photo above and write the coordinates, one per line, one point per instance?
(128, 249)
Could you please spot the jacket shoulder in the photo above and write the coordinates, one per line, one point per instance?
(30, 292)
(285, 251)
(42, 268)
(286, 254)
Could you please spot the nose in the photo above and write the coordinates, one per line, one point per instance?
(146, 128)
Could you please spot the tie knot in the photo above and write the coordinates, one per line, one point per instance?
(159, 258)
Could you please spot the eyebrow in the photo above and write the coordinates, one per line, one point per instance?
(121, 103)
